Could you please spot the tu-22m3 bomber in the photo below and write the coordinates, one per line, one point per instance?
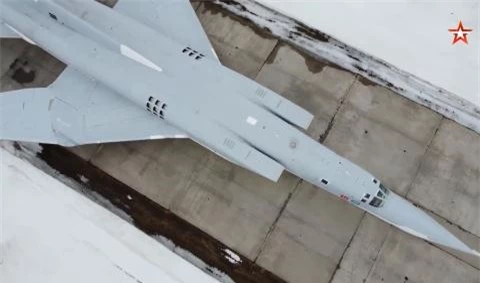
(146, 70)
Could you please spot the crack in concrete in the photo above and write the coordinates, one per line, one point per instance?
(339, 263)
(427, 149)
(95, 152)
(453, 255)
(323, 136)
(271, 56)
(277, 218)
(378, 253)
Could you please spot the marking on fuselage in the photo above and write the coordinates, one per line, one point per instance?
(155, 137)
(344, 197)
(252, 121)
(134, 55)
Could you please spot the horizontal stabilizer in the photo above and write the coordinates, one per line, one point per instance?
(25, 115)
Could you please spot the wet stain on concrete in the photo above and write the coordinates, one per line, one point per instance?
(21, 72)
(366, 82)
(313, 64)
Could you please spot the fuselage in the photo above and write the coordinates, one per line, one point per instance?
(197, 88)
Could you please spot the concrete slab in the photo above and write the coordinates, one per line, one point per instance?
(195, 4)
(17, 45)
(42, 77)
(230, 203)
(405, 259)
(239, 46)
(28, 65)
(362, 253)
(9, 52)
(157, 169)
(313, 85)
(448, 181)
(41, 58)
(384, 133)
(86, 152)
(10, 49)
(365, 252)
(310, 236)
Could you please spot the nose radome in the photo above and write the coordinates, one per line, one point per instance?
(405, 216)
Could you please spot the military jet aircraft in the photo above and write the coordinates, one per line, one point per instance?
(146, 70)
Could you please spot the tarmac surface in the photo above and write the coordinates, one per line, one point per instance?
(296, 231)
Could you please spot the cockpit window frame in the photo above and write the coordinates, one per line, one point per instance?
(380, 197)
(376, 202)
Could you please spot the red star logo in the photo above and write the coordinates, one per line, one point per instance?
(460, 33)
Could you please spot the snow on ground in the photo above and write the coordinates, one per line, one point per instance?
(51, 233)
(411, 35)
(324, 45)
(232, 257)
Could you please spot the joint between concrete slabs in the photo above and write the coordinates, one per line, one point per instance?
(95, 152)
(427, 148)
(323, 136)
(274, 223)
(339, 263)
(268, 58)
(452, 255)
(378, 253)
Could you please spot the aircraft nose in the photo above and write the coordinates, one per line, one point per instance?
(405, 216)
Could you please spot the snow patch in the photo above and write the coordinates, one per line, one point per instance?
(83, 179)
(56, 230)
(28, 152)
(232, 257)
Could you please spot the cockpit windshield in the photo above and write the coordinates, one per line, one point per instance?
(379, 199)
(384, 190)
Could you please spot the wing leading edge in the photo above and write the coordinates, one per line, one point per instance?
(175, 19)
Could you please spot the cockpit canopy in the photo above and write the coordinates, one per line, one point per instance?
(379, 199)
